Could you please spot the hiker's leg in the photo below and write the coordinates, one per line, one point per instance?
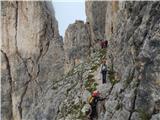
(91, 113)
(104, 78)
(94, 113)
(91, 116)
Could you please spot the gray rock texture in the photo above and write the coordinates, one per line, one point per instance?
(95, 12)
(135, 57)
(76, 44)
(132, 29)
(32, 59)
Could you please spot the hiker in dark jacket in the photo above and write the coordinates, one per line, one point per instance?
(96, 98)
(104, 71)
(103, 43)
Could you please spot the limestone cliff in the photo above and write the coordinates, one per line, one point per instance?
(95, 12)
(32, 58)
(133, 88)
(133, 55)
(76, 44)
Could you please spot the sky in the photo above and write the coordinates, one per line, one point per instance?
(67, 11)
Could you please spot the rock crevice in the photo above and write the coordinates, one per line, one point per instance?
(44, 78)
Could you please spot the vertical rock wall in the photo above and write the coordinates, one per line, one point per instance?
(32, 57)
(135, 57)
(132, 29)
(111, 17)
(76, 44)
(95, 12)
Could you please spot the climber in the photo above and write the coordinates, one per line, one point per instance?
(93, 100)
(104, 71)
(103, 43)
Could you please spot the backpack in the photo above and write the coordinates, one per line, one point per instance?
(104, 67)
(90, 99)
(106, 43)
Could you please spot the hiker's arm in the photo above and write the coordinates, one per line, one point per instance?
(101, 99)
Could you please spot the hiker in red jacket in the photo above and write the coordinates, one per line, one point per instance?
(95, 100)
(103, 43)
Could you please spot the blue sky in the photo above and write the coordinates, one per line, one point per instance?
(67, 12)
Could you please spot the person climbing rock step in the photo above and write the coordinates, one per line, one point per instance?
(93, 100)
(104, 71)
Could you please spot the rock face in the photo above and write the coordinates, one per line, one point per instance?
(96, 12)
(134, 48)
(76, 44)
(111, 17)
(133, 88)
(32, 59)
(33, 54)
(133, 29)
